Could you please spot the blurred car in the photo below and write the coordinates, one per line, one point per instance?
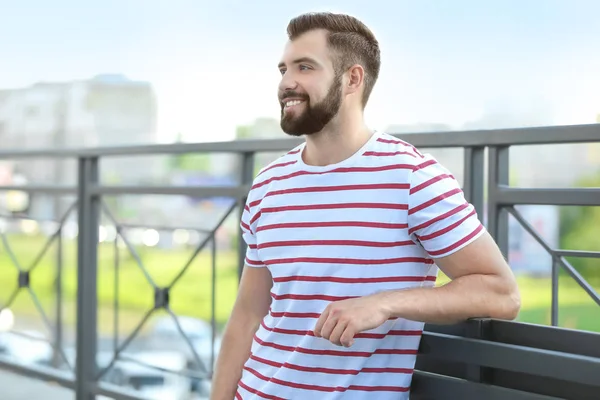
(30, 347)
(163, 332)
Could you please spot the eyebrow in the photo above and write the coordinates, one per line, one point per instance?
(300, 60)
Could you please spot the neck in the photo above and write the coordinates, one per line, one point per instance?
(342, 137)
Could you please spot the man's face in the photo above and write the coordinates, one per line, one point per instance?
(310, 92)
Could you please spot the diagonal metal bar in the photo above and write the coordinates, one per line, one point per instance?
(187, 265)
(52, 238)
(201, 246)
(580, 279)
(515, 213)
(137, 257)
(46, 246)
(42, 253)
(11, 254)
(38, 339)
(564, 263)
(131, 249)
(187, 340)
(125, 343)
(39, 307)
(12, 298)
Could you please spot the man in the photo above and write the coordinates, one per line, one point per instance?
(345, 234)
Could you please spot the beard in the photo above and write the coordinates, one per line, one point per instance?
(314, 117)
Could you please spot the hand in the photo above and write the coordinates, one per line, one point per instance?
(342, 320)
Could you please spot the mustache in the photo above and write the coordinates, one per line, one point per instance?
(292, 94)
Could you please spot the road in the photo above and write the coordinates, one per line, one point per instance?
(16, 387)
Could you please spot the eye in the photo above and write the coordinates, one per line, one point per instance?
(282, 71)
(304, 67)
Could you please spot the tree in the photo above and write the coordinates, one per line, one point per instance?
(243, 132)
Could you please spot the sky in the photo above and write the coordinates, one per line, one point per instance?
(213, 64)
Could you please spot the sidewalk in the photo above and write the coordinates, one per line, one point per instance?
(16, 387)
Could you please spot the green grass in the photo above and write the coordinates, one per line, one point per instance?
(191, 295)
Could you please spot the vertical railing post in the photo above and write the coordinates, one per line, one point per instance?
(478, 329)
(117, 261)
(555, 276)
(246, 178)
(474, 178)
(498, 172)
(58, 328)
(213, 302)
(87, 268)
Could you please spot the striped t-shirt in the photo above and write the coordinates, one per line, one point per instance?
(373, 222)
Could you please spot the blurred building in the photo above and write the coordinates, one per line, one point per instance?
(537, 166)
(107, 110)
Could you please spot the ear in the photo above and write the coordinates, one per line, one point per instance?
(356, 76)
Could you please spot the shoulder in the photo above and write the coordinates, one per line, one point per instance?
(283, 165)
(423, 167)
(387, 145)
(399, 150)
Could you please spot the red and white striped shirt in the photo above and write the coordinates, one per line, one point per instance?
(373, 222)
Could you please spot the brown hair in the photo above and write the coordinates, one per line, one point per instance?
(351, 41)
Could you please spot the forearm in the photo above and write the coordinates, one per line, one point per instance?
(235, 350)
(470, 296)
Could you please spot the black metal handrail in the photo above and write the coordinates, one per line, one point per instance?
(492, 359)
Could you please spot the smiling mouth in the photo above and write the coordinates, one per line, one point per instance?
(292, 103)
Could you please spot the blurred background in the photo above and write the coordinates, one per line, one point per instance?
(84, 74)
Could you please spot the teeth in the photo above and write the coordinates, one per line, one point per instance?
(293, 103)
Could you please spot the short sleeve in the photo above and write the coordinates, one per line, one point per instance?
(439, 217)
(248, 226)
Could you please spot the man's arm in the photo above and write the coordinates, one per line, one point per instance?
(482, 285)
(448, 228)
(251, 305)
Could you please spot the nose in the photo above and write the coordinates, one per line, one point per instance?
(287, 82)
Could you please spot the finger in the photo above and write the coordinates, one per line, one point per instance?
(337, 332)
(321, 322)
(347, 337)
(329, 326)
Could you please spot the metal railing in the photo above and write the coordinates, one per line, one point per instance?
(500, 198)
(490, 359)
